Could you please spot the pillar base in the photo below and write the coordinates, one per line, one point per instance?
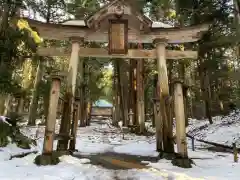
(183, 162)
(166, 155)
(73, 151)
(47, 159)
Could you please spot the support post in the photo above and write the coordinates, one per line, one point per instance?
(52, 115)
(182, 160)
(76, 118)
(157, 116)
(166, 124)
(180, 119)
(71, 86)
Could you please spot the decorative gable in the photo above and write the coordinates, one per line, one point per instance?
(119, 9)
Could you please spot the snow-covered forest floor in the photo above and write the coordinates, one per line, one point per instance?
(101, 138)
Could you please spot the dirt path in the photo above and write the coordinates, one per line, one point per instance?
(117, 161)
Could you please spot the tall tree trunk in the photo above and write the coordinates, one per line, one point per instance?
(7, 104)
(119, 108)
(140, 96)
(82, 92)
(87, 97)
(123, 87)
(35, 94)
(3, 98)
(208, 102)
(132, 90)
(116, 95)
(114, 98)
(20, 105)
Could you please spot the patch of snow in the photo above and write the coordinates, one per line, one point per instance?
(158, 24)
(4, 119)
(74, 23)
(138, 148)
(101, 137)
(224, 130)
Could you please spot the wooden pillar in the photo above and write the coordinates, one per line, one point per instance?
(76, 118)
(71, 87)
(180, 120)
(140, 96)
(157, 116)
(166, 123)
(52, 115)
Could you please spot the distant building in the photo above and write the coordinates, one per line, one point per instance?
(102, 108)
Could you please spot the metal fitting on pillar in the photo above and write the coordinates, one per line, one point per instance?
(58, 76)
(158, 41)
(76, 39)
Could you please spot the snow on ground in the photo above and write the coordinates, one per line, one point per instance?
(224, 130)
(101, 137)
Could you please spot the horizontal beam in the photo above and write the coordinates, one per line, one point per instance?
(103, 53)
(64, 32)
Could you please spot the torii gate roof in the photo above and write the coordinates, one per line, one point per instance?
(140, 28)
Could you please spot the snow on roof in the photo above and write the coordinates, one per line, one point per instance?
(158, 24)
(155, 24)
(75, 23)
(102, 103)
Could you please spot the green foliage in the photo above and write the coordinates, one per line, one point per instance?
(15, 45)
(5, 131)
(12, 134)
(50, 10)
(82, 8)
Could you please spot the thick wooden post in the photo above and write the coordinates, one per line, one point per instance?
(71, 87)
(140, 96)
(166, 123)
(158, 117)
(180, 120)
(52, 115)
(76, 118)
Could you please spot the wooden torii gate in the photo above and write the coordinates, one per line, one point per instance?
(117, 24)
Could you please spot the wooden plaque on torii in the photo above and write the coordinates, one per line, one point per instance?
(118, 36)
